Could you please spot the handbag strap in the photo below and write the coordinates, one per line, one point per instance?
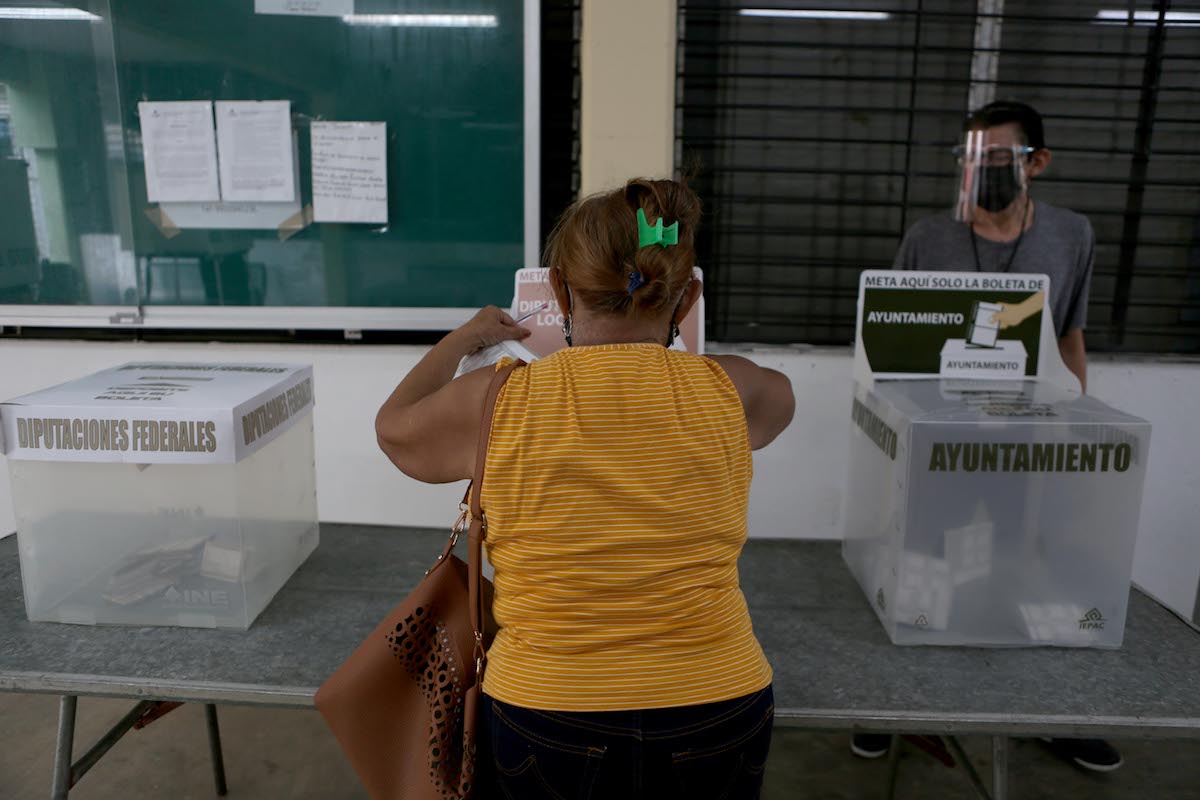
(478, 530)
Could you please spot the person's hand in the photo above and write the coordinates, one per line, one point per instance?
(489, 327)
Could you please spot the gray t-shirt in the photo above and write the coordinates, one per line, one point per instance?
(1059, 243)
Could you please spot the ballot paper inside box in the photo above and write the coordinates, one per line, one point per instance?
(922, 591)
(968, 549)
(993, 517)
(163, 494)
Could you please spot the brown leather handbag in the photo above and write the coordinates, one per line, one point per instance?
(404, 705)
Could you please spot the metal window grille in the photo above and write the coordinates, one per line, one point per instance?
(561, 21)
(818, 138)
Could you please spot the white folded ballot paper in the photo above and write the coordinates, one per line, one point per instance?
(493, 355)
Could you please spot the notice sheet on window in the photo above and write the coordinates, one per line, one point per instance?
(349, 172)
(254, 140)
(179, 151)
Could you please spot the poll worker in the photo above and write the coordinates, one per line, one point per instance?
(616, 491)
(997, 226)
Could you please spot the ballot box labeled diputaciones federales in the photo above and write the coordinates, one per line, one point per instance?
(984, 511)
(163, 493)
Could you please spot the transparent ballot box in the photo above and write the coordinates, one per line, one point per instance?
(993, 513)
(163, 494)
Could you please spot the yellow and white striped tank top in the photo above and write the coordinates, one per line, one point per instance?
(616, 490)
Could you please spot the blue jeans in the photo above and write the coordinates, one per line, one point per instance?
(715, 751)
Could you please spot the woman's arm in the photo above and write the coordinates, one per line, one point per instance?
(429, 426)
(766, 395)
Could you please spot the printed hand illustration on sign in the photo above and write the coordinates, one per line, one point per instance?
(1013, 314)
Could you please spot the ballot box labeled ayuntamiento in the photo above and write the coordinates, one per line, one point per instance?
(985, 511)
(163, 493)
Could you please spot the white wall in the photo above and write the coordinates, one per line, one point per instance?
(1167, 561)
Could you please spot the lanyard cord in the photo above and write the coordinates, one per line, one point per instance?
(1013, 256)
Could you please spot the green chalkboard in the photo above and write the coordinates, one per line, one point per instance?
(451, 94)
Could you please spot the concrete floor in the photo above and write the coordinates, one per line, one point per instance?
(289, 754)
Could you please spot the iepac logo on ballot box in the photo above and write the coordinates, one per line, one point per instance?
(1092, 621)
(953, 324)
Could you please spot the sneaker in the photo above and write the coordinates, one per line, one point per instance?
(1094, 754)
(870, 745)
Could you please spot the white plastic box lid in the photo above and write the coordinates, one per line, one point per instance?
(158, 413)
(993, 402)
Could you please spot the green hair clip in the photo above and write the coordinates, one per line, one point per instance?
(656, 234)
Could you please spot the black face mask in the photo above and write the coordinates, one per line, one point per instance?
(1000, 188)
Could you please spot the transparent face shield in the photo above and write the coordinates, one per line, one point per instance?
(990, 177)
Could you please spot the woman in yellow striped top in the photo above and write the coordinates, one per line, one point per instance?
(616, 488)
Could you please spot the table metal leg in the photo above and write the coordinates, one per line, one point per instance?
(214, 746)
(968, 767)
(66, 773)
(62, 750)
(893, 766)
(999, 768)
(106, 742)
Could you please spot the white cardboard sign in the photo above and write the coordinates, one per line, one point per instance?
(532, 294)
